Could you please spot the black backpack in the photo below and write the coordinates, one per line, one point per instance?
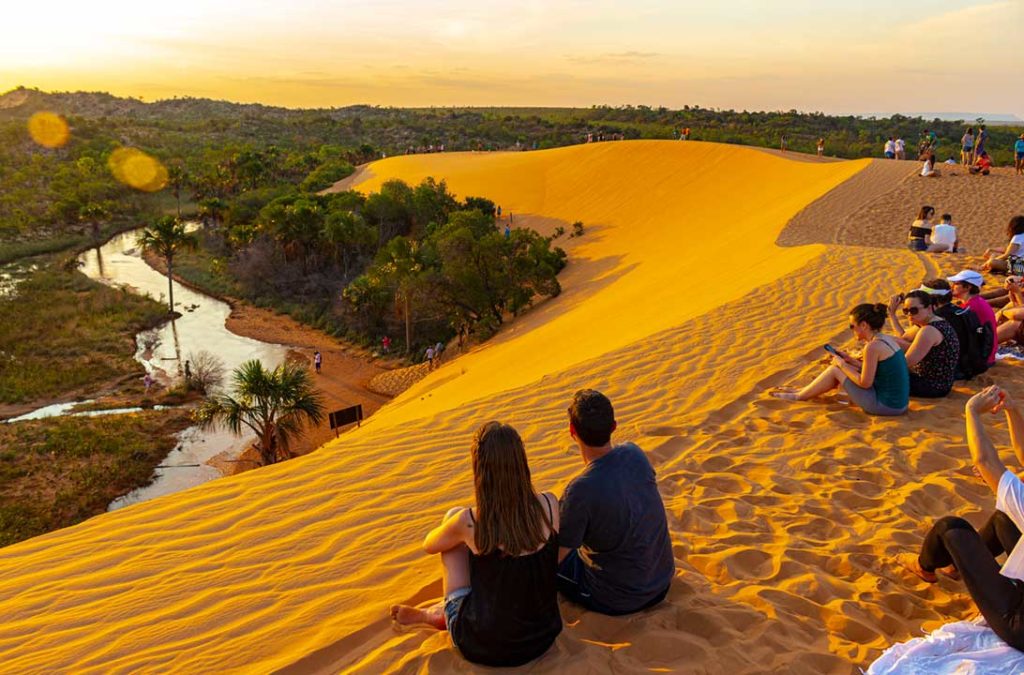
(975, 338)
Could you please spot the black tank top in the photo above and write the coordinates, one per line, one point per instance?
(510, 616)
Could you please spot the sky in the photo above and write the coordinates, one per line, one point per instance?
(855, 56)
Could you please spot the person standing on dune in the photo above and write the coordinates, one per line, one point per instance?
(1018, 155)
(901, 148)
(821, 147)
(615, 555)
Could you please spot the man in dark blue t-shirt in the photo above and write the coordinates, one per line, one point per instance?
(615, 554)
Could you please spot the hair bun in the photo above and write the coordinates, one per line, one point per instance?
(881, 309)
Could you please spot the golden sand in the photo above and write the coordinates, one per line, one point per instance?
(680, 306)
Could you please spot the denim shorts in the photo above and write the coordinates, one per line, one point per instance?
(917, 245)
(453, 603)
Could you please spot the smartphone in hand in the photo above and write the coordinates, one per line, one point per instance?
(834, 352)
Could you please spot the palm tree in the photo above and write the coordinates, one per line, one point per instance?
(274, 404)
(168, 237)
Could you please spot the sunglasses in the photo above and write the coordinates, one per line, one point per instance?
(911, 311)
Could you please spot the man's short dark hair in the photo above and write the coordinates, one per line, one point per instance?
(592, 416)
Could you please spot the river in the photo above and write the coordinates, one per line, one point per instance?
(163, 352)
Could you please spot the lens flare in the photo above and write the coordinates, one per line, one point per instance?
(48, 129)
(135, 168)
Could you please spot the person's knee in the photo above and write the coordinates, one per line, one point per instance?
(950, 523)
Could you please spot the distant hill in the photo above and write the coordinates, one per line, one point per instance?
(990, 118)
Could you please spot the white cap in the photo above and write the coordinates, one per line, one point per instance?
(933, 291)
(969, 276)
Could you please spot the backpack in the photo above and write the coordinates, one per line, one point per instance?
(975, 338)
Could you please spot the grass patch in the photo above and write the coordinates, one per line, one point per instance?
(203, 270)
(62, 332)
(57, 472)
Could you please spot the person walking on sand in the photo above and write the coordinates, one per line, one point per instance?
(901, 148)
(878, 383)
(318, 360)
(967, 147)
(615, 555)
(782, 143)
(1018, 155)
(499, 557)
(821, 147)
(954, 548)
(385, 344)
(438, 348)
(890, 148)
(980, 141)
(430, 358)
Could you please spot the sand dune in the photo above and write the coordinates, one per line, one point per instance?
(680, 306)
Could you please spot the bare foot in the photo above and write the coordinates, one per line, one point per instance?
(910, 562)
(784, 393)
(404, 615)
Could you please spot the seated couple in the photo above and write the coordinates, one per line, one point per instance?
(934, 238)
(605, 547)
(954, 548)
(891, 369)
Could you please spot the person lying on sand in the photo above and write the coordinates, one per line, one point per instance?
(878, 383)
(614, 549)
(499, 558)
(932, 346)
(1011, 259)
(955, 548)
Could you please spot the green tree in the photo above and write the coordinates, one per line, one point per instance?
(274, 404)
(177, 179)
(212, 211)
(93, 215)
(168, 237)
(399, 264)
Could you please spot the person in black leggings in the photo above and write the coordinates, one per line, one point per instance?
(955, 548)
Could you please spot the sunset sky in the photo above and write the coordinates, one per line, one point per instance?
(863, 56)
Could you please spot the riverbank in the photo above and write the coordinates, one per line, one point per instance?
(60, 471)
(65, 337)
(345, 375)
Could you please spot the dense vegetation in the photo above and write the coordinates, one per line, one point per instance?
(62, 332)
(215, 150)
(411, 262)
(58, 472)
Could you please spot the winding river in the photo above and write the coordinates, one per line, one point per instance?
(163, 352)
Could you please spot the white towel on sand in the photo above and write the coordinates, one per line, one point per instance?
(960, 648)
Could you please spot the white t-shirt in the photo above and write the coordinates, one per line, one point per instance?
(1018, 239)
(889, 146)
(944, 234)
(900, 145)
(1010, 500)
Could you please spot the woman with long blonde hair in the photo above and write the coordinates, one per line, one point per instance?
(500, 560)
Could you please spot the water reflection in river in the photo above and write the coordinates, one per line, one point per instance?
(163, 352)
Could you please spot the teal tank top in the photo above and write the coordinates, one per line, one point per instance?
(892, 380)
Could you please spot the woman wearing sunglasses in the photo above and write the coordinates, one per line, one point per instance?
(878, 383)
(931, 344)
